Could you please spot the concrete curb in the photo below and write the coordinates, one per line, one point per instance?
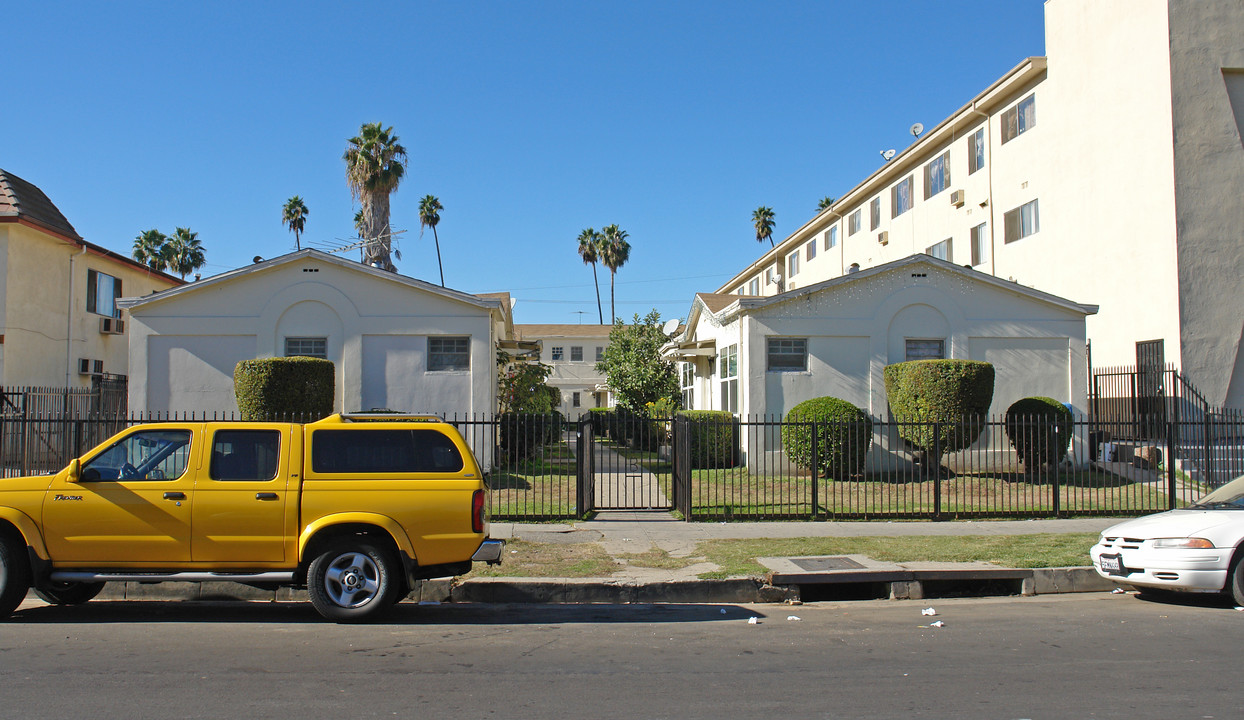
(1039, 581)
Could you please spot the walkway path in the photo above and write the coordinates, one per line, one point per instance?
(622, 483)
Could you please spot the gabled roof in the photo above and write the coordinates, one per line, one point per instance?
(536, 331)
(310, 254)
(705, 302)
(22, 199)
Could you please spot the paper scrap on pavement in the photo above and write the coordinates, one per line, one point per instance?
(928, 611)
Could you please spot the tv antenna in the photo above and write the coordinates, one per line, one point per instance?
(916, 129)
(887, 155)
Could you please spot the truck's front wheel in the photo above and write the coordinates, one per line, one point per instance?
(352, 581)
(68, 593)
(14, 576)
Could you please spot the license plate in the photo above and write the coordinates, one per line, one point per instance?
(1112, 564)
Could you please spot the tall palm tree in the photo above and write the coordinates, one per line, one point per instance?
(149, 249)
(184, 252)
(824, 203)
(762, 220)
(429, 215)
(374, 168)
(294, 215)
(589, 250)
(614, 253)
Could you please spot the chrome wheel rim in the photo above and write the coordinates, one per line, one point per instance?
(352, 580)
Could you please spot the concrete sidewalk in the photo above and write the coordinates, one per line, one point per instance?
(624, 533)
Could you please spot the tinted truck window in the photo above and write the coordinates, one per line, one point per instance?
(383, 451)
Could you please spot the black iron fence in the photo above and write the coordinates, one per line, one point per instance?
(542, 467)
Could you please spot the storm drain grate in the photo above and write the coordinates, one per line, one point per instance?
(818, 564)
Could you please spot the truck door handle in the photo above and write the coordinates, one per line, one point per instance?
(174, 496)
(265, 496)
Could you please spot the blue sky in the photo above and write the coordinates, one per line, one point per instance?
(529, 120)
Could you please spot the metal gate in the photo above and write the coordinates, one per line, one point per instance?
(625, 463)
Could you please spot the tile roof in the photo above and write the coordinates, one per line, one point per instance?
(19, 198)
(535, 331)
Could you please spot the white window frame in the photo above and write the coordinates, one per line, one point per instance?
(980, 245)
(942, 250)
(728, 364)
(924, 349)
(792, 264)
(686, 376)
(600, 353)
(315, 347)
(576, 353)
(449, 353)
(784, 348)
(102, 291)
(557, 354)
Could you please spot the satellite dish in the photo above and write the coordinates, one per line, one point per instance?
(887, 154)
(669, 327)
(917, 129)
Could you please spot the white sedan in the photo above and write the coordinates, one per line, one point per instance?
(1193, 549)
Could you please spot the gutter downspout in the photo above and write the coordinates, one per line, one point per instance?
(993, 267)
(69, 319)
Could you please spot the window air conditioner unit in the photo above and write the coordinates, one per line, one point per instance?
(883, 237)
(111, 326)
(956, 198)
(87, 366)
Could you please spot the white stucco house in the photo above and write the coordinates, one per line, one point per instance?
(572, 351)
(397, 342)
(760, 356)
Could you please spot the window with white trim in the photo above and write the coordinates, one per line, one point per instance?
(729, 366)
(687, 384)
(316, 347)
(1019, 119)
(559, 352)
(925, 349)
(937, 175)
(787, 354)
(753, 287)
(1021, 222)
(600, 353)
(576, 353)
(792, 264)
(574, 399)
(449, 353)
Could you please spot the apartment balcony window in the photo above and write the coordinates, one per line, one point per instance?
(980, 245)
(1019, 119)
(1021, 222)
(937, 175)
(976, 151)
(940, 251)
(900, 197)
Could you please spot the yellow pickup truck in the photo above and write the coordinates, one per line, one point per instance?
(355, 507)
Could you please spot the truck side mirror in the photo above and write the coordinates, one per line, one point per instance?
(74, 471)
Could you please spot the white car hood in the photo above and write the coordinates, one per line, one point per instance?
(1184, 523)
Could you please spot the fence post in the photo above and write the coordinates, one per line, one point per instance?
(1057, 500)
(816, 471)
(1170, 467)
(937, 470)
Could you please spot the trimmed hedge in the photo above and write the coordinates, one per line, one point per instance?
(521, 434)
(271, 388)
(1039, 429)
(714, 438)
(843, 435)
(955, 394)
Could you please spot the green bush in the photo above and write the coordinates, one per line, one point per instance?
(273, 388)
(600, 420)
(714, 438)
(1039, 429)
(521, 434)
(940, 404)
(843, 434)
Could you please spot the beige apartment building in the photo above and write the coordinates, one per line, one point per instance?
(1110, 171)
(572, 351)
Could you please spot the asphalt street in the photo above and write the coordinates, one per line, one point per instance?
(1093, 655)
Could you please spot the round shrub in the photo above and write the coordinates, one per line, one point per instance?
(1039, 429)
(939, 404)
(714, 438)
(843, 435)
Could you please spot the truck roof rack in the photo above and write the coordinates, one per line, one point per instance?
(381, 415)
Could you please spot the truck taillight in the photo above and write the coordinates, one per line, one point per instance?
(477, 511)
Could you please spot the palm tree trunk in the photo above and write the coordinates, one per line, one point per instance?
(438, 255)
(613, 313)
(600, 312)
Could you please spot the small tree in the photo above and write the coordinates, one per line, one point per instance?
(633, 365)
(940, 404)
(272, 388)
(1039, 429)
(521, 385)
(843, 434)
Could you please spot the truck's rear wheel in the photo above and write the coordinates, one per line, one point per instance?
(68, 593)
(14, 576)
(352, 581)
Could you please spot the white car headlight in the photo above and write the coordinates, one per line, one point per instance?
(1184, 542)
